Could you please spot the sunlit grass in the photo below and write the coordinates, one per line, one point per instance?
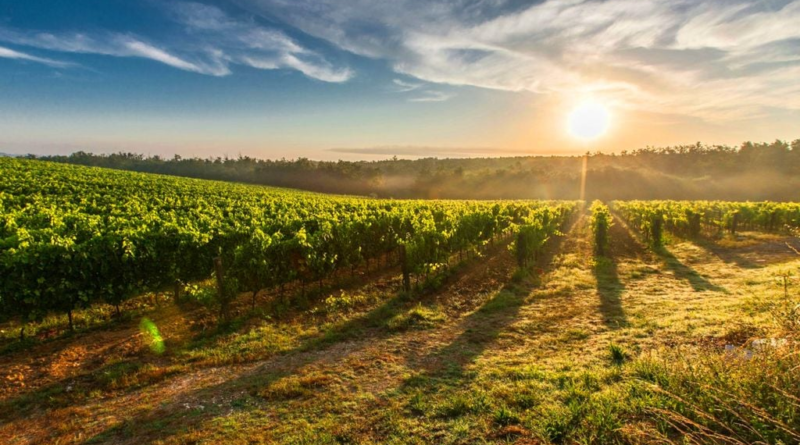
(539, 360)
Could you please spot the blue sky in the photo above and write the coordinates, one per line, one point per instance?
(353, 79)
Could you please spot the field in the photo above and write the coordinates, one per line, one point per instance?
(475, 322)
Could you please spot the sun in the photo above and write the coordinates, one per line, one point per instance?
(589, 120)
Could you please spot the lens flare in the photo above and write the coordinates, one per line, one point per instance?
(152, 335)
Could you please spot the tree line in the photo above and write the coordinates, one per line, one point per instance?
(751, 171)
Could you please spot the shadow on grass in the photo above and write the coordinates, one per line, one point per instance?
(75, 389)
(726, 255)
(61, 337)
(176, 415)
(485, 325)
(681, 271)
(181, 412)
(622, 246)
(684, 272)
(610, 290)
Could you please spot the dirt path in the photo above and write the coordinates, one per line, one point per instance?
(217, 385)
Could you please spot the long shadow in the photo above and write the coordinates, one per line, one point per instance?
(240, 307)
(726, 255)
(278, 310)
(373, 324)
(484, 326)
(177, 415)
(64, 338)
(684, 272)
(609, 287)
(610, 290)
(172, 418)
(769, 252)
(681, 271)
(73, 389)
(54, 395)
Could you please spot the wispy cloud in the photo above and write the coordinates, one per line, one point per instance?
(212, 41)
(8, 53)
(432, 96)
(245, 42)
(423, 93)
(714, 59)
(404, 87)
(110, 44)
(141, 49)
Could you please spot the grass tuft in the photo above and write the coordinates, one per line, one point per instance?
(419, 317)
(618, 354)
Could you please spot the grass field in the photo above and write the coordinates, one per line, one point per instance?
(578, 349)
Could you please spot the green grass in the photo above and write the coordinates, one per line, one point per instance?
(632, 352)
(418, 317)
(618, 354)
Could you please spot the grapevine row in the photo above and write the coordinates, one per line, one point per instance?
(601, 222)
(691, 219)
(74, 236)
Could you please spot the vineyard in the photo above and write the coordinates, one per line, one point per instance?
(73, 237)
(692, 219)
(140, 308)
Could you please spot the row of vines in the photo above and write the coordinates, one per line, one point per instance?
(691, 219)
(601, 222)
(75, 236)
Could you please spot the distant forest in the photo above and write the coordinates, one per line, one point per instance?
(752, 171)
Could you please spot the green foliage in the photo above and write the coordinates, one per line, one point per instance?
(785, 311)
(504, 416)
(203, 295)
(74, 236)
(536, 228)
(690, 219)
(341, 304)
(601, 222)
(430, 247)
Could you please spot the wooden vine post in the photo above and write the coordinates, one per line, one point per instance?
(223, 300)
(405, 268)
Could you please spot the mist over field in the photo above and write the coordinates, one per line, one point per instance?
(752, 171)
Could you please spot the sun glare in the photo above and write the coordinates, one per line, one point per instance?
(589, 120)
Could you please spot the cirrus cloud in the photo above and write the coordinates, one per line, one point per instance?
(713, 59)
(8, 53)
(211, 43)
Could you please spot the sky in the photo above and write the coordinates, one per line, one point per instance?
(369, 79)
